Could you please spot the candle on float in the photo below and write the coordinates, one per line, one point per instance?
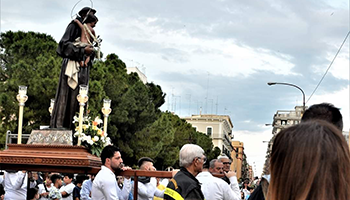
(106, 103)
(83, 90)
(22, 90)
(52, 103)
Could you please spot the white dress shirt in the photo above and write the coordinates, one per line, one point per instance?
(69, 190)
(148, 190)
(43, 190)
(105, 185)
(15, 185)
(215, 188)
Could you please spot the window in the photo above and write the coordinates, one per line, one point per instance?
(209, 131)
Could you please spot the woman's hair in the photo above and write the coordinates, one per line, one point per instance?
(310, 161)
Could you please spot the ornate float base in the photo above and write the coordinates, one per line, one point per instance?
(49, 158)
(51, 137)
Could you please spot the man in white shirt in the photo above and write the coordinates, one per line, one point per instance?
(45, 188)
(15, 185)
(215, 188)
(147, 186)
(105, 184)
(67, 190)
(215, 166)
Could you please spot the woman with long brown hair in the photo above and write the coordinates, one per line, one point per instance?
(310, 161)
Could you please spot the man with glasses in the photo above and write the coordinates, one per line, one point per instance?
(227, 164)
(184, 185)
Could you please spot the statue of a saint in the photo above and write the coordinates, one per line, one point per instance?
(73, 72)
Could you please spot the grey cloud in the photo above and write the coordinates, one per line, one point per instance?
(166, 53)
(246, 98)
(301, 29)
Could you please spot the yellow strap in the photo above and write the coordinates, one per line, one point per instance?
(175, 183)
(173, 194)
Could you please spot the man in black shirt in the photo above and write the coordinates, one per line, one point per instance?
(184, 185)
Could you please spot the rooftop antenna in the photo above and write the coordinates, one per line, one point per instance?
(206, 97)
(189, 105)
(172, 98)
(217, 104)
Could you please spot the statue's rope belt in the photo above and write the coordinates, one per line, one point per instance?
(87, 30)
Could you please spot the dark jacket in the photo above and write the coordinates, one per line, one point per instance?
(227, 180)
(183, 186)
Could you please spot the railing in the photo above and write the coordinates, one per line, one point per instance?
(10, 136)
(158, 174)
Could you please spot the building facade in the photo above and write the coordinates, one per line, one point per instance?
(218, 127)
(283, 119)
(239, 160)
(286, 118)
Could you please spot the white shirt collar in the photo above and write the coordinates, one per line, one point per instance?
(104, 168)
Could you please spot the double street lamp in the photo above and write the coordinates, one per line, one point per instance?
(289, 84)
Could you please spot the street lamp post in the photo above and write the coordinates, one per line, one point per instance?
(289, 84)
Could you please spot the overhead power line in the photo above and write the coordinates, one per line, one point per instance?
(319, 83)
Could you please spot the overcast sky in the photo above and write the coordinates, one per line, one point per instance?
(217, 54)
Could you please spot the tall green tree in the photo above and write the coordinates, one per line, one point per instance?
(27, 59)
(184, 134)
(149, 141)
(135, 105)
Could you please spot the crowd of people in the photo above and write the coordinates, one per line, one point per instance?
(310, 160)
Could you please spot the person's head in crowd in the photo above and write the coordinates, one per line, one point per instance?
(215, 166)
(226, 161)
(47, 179)
(80, 179)
(192, 158)
(120, 180)
(111, 158)
(68, 178)
(146, 163)
(245, 185)
(310, 161)
(33, 194)
(324, 111)
(56, 180)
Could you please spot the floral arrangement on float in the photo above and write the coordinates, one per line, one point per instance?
(92, 137)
